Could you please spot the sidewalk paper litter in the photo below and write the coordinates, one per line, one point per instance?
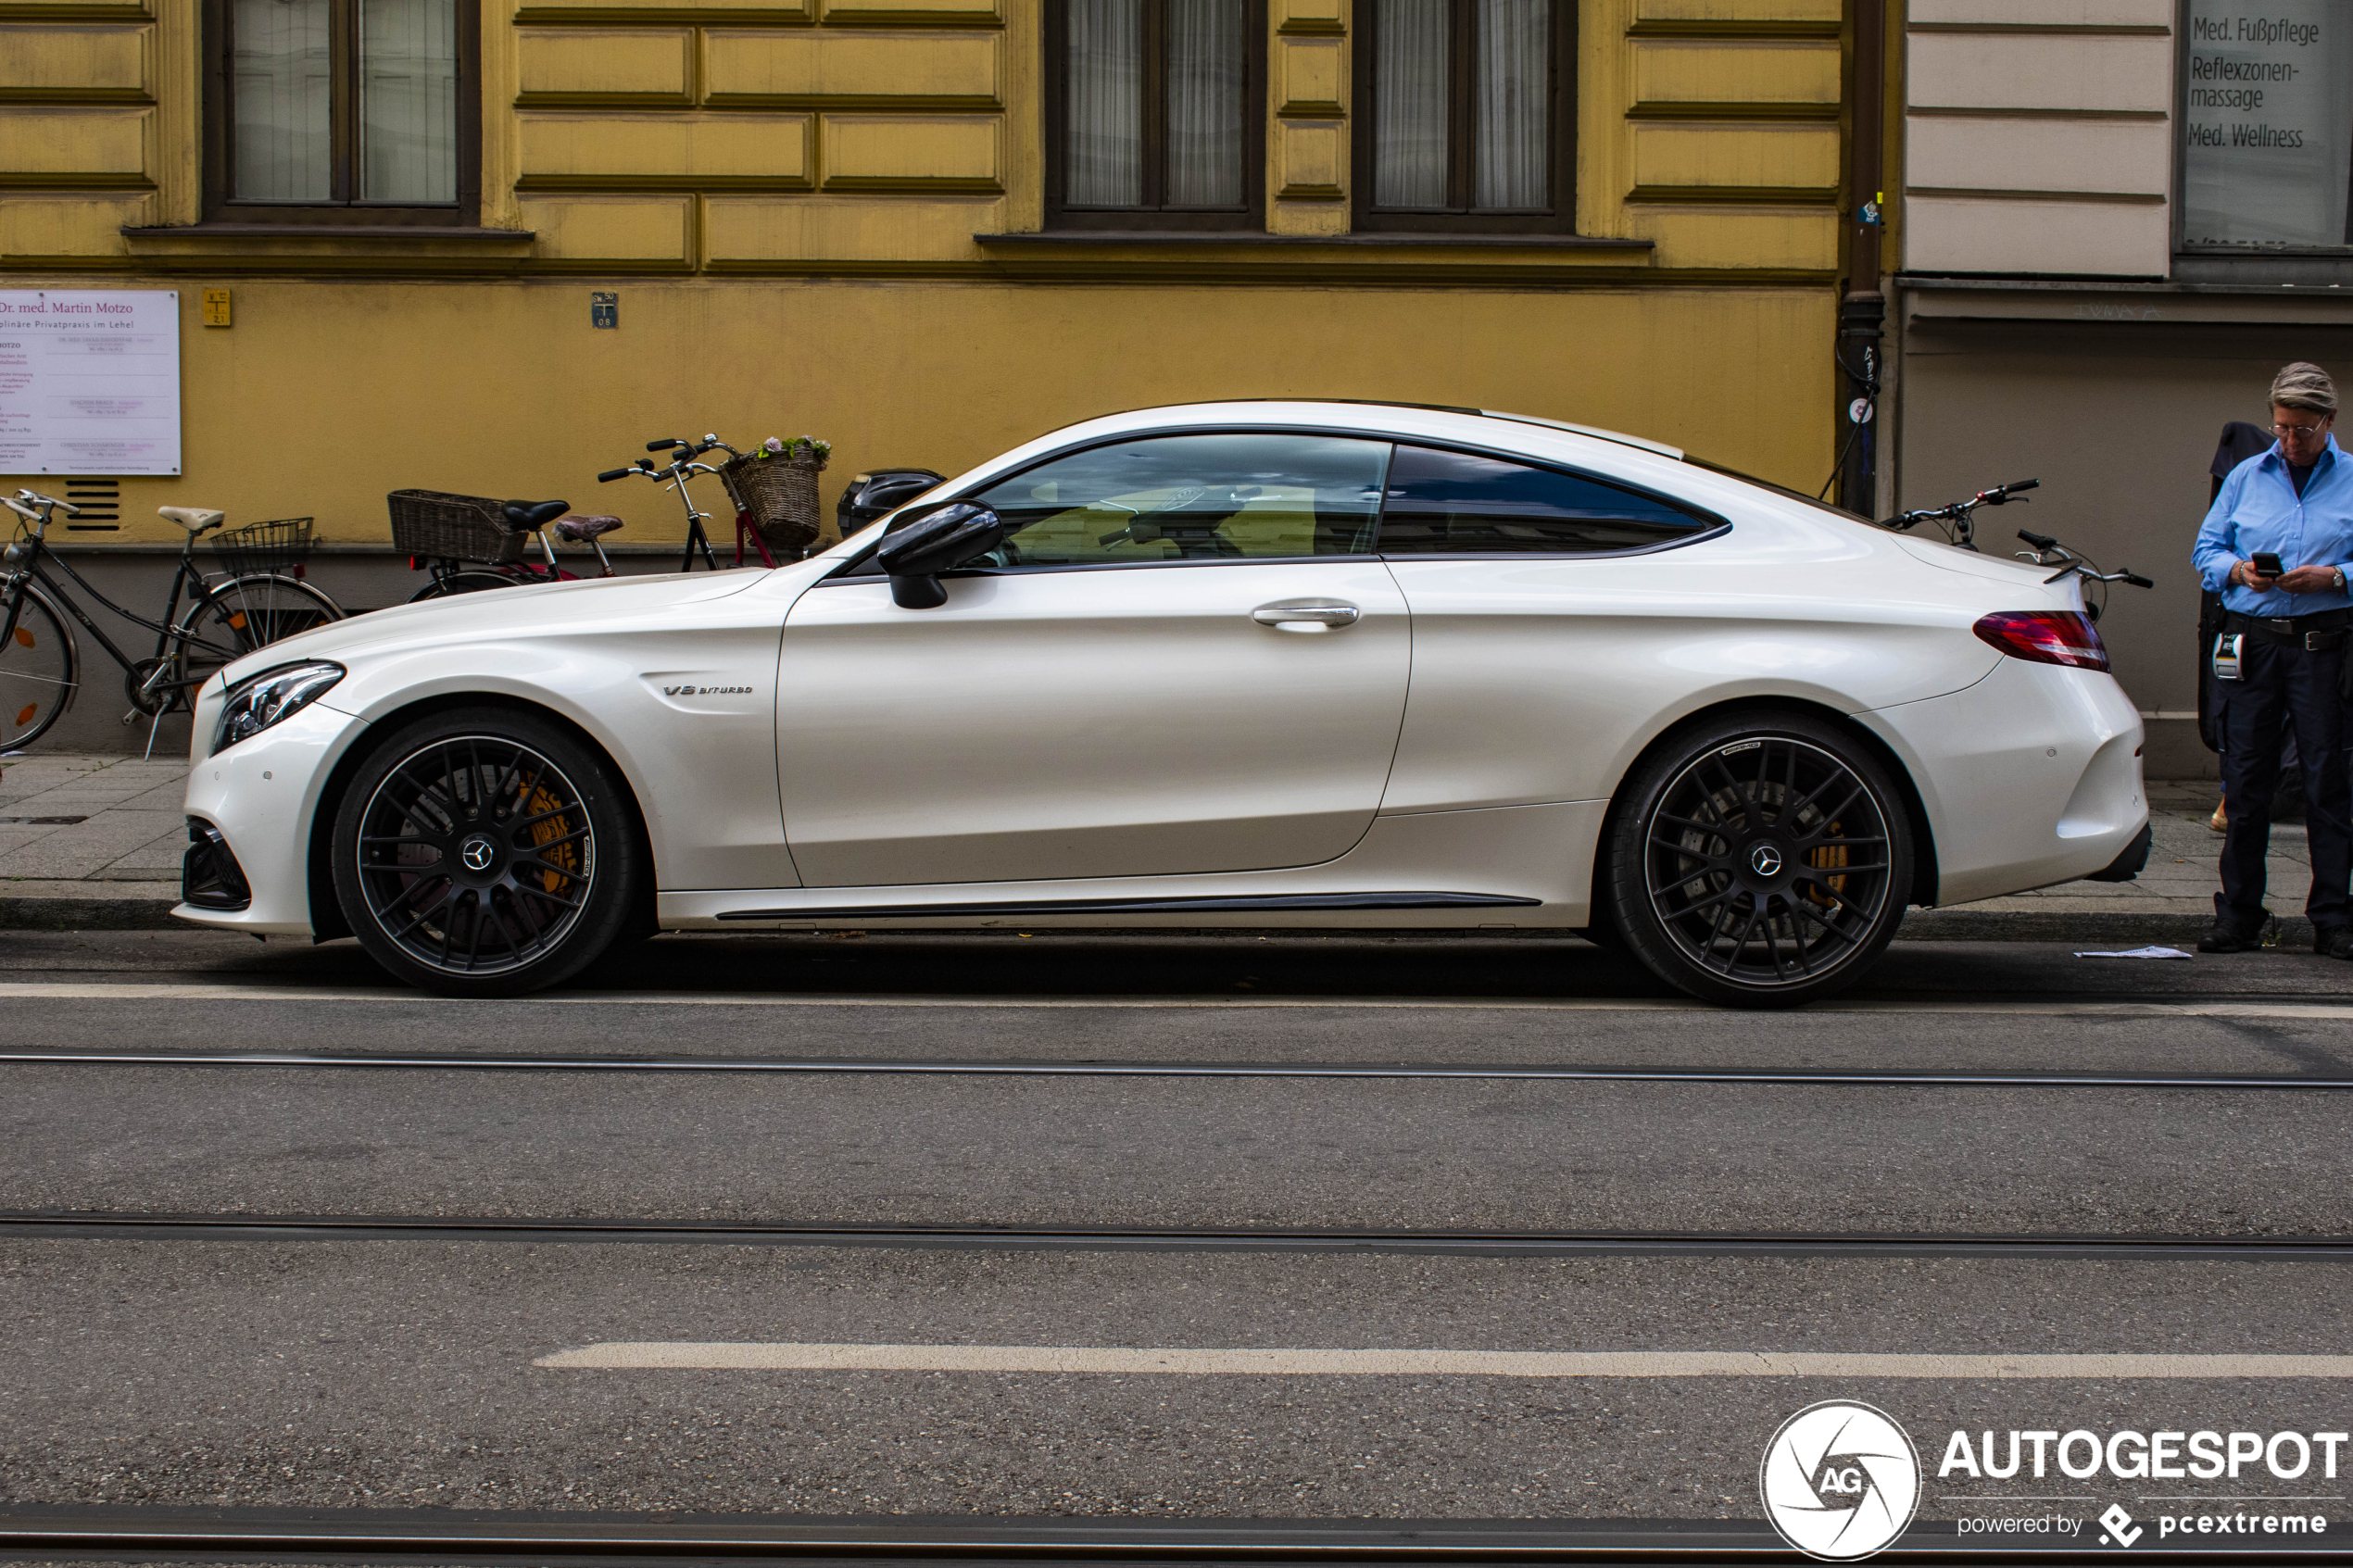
(2139, 953)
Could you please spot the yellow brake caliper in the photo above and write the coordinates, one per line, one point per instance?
(546, 832)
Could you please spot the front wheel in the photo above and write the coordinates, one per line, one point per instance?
(486, 852)
(39, 663)
(1760, 860)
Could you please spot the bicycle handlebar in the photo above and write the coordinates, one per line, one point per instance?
(611, 474)
(38, 499)
(668, 442)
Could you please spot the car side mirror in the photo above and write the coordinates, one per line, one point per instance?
(914, 554)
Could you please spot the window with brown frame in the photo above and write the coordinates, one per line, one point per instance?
(1465, 115)
(342, 111)
(1157, 116)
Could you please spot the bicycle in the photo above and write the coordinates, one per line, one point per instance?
(251, 605)
(465, 574)
(1957, 521)
(683, 467)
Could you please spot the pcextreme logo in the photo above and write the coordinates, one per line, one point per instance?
(1840, 1480)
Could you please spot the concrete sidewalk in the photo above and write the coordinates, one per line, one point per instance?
(92, 842)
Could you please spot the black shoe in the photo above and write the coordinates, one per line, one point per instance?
(2333, 941)
(2230, 937)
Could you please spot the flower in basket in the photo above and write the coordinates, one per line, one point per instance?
(807, 447)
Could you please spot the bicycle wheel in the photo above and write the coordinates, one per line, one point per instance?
(236, 617)
(39, 663)
(461, 582)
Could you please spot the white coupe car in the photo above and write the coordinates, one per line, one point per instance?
(1297, 664)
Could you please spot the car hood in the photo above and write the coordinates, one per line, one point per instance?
(493, 613)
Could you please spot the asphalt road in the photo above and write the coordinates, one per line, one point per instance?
(1129, 1085)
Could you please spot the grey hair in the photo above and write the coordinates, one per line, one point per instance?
(2303, 385)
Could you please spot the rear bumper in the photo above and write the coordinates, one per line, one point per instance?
(2030, 777)
(2128, 865)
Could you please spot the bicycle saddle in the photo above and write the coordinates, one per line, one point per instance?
(195, 520)
(585, 525)
(523, 515)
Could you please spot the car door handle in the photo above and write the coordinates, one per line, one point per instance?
(1305, 617)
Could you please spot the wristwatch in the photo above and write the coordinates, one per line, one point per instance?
(2340, 578)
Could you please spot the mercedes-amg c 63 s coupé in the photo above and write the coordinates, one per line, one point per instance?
(1248, 664)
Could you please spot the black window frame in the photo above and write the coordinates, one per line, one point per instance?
(342, 208)
(1152, 214)
(1557, 217)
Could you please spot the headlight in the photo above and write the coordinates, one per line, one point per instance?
(262, 700)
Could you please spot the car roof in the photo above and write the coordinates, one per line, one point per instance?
(1596, 432)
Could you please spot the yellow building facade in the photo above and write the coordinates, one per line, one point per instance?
(835, 217)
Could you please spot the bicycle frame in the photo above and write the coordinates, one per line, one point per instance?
(30, 567)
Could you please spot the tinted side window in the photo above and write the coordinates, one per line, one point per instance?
(1195, 497)
(1456, 503)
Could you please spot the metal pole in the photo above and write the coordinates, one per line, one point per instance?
(1861, 309)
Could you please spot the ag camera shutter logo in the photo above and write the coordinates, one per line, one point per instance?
(1840, 1480)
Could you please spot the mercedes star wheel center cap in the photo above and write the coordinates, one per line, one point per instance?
(1765, 860)
(478, 854)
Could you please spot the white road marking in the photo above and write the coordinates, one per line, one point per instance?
(749, 1357)
(37, 990)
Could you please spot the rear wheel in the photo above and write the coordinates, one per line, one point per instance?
(38, 664)
(456, 583)
(486, 852)
(1760, 860)
(236, 617)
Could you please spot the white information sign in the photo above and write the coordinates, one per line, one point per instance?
(89, 382)
(2267, 135)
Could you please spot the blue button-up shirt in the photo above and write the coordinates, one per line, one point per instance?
(2258, 508)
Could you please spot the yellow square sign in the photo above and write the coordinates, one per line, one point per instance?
(216, 308)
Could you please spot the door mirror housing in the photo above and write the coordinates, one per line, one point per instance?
(914, 554)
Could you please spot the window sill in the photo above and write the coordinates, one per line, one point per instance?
(1386, 241)
(375, 233)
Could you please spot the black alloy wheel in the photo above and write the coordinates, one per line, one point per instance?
(1762, 861)
(485, 853)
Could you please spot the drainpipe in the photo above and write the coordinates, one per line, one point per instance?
(1861, 309)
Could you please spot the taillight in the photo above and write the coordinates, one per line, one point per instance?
(2047, 636)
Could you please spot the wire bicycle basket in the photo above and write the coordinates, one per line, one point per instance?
(281, 544)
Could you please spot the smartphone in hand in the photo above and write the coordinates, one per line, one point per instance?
(2267, 562)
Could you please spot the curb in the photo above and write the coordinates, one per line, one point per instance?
(2030, 925)
(76, 912)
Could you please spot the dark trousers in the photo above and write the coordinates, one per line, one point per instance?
(2286, 689)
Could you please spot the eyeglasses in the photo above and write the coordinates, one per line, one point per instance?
(2288, 432)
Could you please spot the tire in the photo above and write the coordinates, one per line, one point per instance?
(40, 665)
(239, 616)
(458, 582)
(486, 852)
(1759, 859)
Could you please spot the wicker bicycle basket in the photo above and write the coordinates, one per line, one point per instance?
(781, 495)
(264, 546)
(446, 527)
